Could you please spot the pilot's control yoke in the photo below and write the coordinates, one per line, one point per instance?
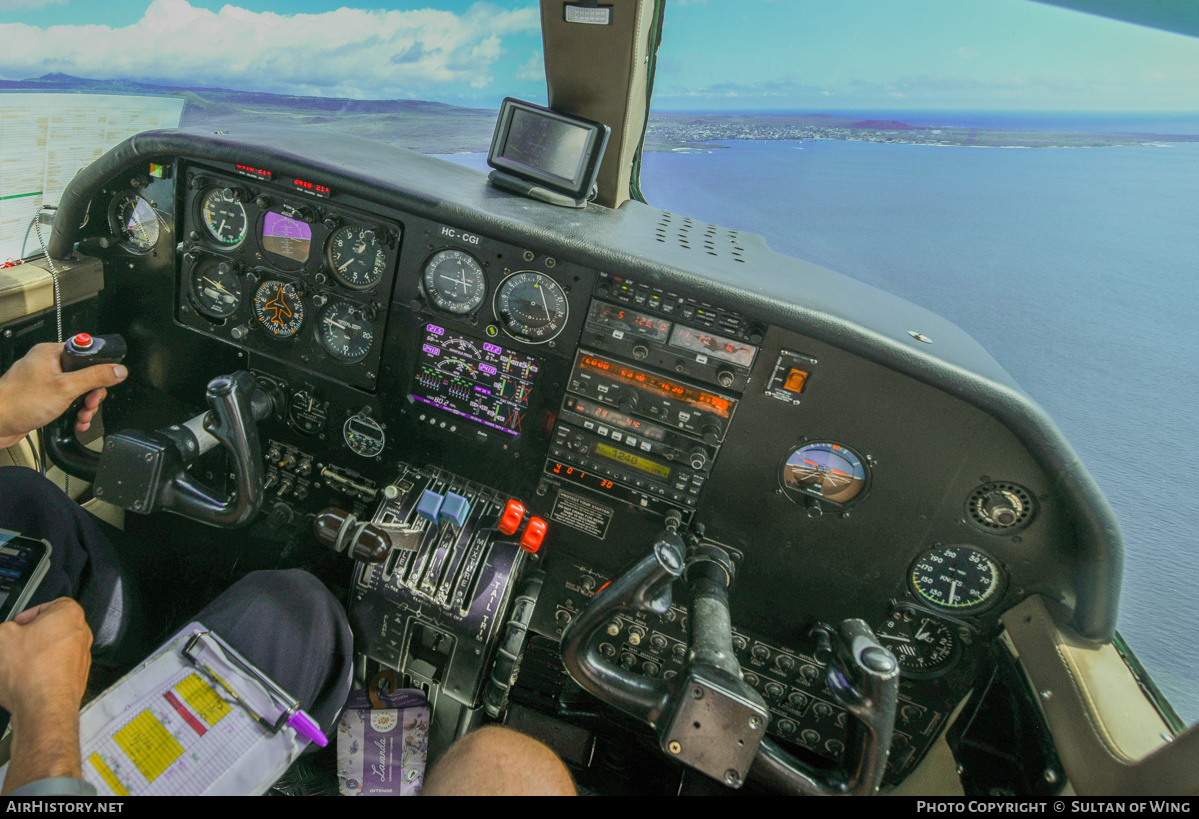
(707, 716)
(147, 471)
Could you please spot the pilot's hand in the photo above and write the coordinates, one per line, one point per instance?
(45, 654)
(35, 391)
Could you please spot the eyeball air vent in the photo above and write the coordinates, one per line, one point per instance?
(1001, 508)
(700, 236)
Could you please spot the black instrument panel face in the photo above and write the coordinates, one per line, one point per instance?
(303, 280)
(609, 406)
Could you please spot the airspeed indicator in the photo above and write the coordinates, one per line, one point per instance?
(957, 578)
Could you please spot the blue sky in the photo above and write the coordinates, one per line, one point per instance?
(717, 54)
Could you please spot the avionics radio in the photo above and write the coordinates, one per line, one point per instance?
(636, 435)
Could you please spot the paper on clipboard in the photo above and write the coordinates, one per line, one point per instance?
(166, 730)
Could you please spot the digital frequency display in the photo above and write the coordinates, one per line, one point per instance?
(629, 321)
(472, 379)
(700, 399)
(286, 237)
(634, 460)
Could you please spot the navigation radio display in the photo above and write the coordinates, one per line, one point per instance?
(476, 380)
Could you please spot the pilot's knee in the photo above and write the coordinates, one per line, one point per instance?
(495, 761)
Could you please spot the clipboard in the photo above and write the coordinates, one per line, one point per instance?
(168, 728)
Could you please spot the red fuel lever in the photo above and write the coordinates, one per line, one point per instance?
(534, 534)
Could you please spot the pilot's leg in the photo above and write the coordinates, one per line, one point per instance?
(496, 761)
(83, 563)
(295, 631)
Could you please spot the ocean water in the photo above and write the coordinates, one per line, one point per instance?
(1077, 268)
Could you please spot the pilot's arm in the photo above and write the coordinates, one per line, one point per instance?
(35, 391)
(45, 654)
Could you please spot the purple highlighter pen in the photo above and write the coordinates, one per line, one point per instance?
(306, 727)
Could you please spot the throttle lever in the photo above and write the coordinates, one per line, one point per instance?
(65, 450)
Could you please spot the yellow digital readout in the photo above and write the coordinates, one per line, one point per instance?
(633, 460)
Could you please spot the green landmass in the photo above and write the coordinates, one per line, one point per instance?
(433, 127)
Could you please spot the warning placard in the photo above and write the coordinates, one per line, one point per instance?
(581, 513)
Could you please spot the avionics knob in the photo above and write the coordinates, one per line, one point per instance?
(627, 661)
(627, 401)
(710, 432)
(640, 352)
(725, 377)
(699, 457)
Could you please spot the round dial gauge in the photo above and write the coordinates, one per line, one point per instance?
(824, 470)
(958, 578)
(307, 413)
(133, 219)
(357, 258)
(363, 435)
(344, 332)
(224, 216)
(215, 288)
(531, 306)
(279, 308)
(923, 645)
(455, 282)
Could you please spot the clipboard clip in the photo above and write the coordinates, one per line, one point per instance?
(269, 705)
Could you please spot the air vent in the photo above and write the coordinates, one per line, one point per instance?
(1001, 508)
(701, 237)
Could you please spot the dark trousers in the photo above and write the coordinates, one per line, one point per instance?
(285, 622)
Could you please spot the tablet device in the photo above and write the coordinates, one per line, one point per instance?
(23, 563)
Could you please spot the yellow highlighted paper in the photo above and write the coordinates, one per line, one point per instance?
(148, 745)
(203, 699)
(108, 775)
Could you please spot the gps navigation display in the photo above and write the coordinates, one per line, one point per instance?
(472, 379)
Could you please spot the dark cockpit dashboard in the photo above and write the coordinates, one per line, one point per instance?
(438, 347)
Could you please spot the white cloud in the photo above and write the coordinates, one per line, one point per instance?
(347, 53)
(533, 69)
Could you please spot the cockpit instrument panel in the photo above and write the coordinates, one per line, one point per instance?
(267, 269)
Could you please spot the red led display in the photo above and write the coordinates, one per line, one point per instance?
(312, 188)
(255, 173)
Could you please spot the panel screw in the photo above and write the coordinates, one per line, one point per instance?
(732, 778)
(697, 693)
(755, 722)
(674, 747)
(1046, 694)
(1050, 776)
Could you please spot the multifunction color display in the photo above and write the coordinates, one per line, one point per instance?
(473, 379)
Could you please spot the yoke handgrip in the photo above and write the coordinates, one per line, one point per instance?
(645, 587)
(64, 449)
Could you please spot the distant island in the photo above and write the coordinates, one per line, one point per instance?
(438, 128)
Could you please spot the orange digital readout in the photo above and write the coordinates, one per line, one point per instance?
(647, 381)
